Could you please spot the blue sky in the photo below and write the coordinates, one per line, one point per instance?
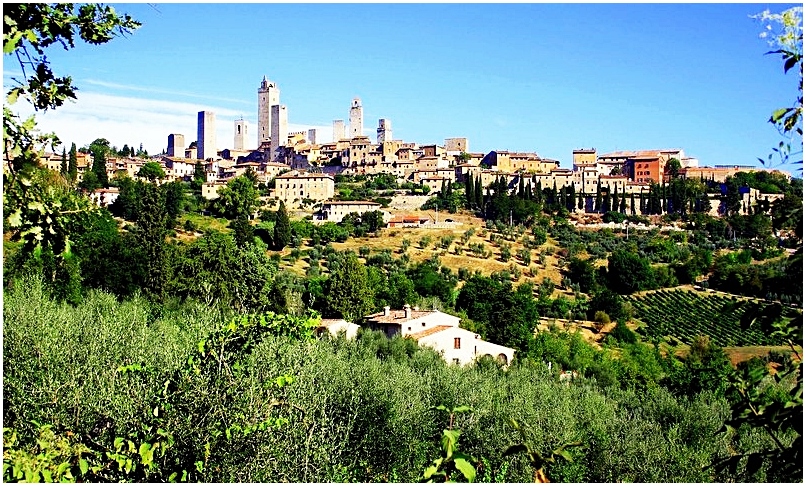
(546, 78)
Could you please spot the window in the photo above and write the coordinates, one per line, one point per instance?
(457, 343)
(423, 324)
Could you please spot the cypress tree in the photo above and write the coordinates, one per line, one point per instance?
(282, 229)
(571, 199)
(72, 167)
(632, 203)
(521, 188)
(150, 233)
(581, 203)
(469, 192)
(606, 202)
(99, 167)
(64, 162)
(623, 204)
(597, 204)
(614, 203)
(479, 193)
(643, 202)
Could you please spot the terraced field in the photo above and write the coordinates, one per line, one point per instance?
(684, 314)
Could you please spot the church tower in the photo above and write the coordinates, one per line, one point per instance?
(268, 95)
(356, 119)
(240, 135)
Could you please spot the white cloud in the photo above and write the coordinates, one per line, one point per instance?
(188, 94)
(133, 120)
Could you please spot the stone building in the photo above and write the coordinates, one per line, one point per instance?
(295, 186)
(356, 118)
(176, 145)
(384, 131)
(439, 331)
(279, 130)
(335, 211)
(206, 143)
(338, 130)
(241, 136)
(268, 95)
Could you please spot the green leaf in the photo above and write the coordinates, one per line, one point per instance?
(83, 466)
(431, 470)
(565, 455)
(777, 115)
(463, 408)
(449, 440)
(465, 467)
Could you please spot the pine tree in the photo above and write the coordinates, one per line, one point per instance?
(72, 166)
(282, 229)
(349, 294)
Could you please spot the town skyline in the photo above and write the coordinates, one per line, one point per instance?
(717, 93)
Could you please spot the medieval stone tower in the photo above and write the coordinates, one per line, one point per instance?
(268, 95)
(356, 118)
(338, 130)
(279, 128)
(205, 143)
(176, 145)
(240, 135)
(384, 130)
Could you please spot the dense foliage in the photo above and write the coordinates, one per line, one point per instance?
(256, 400)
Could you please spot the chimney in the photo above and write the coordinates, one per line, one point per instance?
(386, 311)
(407, 311)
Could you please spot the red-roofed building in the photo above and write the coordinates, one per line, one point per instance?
(440, 332)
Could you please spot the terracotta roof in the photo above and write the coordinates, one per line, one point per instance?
(363, 203)
(408, 219)
(291, 175)
(428, 332)
(397, 316)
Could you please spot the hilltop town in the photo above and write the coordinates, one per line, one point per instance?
(303, 168)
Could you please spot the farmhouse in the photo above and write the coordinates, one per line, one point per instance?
(336, 210)
(335, 326)
(439, 331)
